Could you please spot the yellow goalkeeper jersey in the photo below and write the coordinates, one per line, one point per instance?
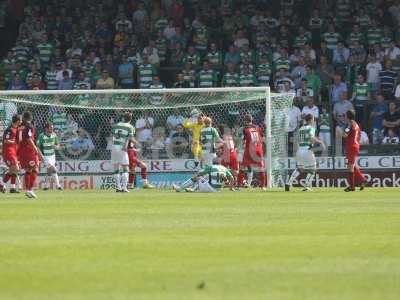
(195, 127)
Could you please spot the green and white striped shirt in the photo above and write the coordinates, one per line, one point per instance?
(216, 175)
(51, 80)
(306, 133)
(47, 143)
(121, 133)
(209, 136)
(207, 78)
(146, 73)
(45, 52)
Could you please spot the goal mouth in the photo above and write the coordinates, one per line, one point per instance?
(93, 111)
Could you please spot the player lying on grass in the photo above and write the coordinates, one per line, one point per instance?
(48, 143)
(10, 154)
(305, 158)
(209, 180)
(352, 135)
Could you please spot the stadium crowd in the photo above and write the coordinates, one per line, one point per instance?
(334, 55)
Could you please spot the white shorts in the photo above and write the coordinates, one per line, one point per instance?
(326, 138)
(119, 157)
(305, 159)
(49, 161)
(205, 187)
(207, 158)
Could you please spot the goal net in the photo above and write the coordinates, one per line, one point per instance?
(83, 119)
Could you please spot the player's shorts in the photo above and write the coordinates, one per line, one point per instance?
(10, 160)
(119, 157)
(352, 155)
(132, 156)
(305, 159)
(233, 163)
(196, 149)
(254, 161)
(28, 161)
(49, 161)
(208, 158)
(205, 186)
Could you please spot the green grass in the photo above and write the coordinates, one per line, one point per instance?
(161, 245)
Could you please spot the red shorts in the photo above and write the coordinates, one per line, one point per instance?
(252, 161)
(28, 161)
(352, 155)
(132, 155)
(233, 162)
(10, 159)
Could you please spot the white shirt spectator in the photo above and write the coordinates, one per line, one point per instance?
(397, 92)
(364, 140)
(125, 23)
(373, 69)
(175, 120)
(152, 54)
(239, 43)
(390, 140)
(294, 118)
(169, 32)
(311, 111)
(393, 53)
(59, 75)
(144, 127)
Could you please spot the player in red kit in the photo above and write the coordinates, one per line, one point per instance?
(227, 153)
(28, 153)
(134, 162)
(352, 136)
(10, 154)
(253, 157)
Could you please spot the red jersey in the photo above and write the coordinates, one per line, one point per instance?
(252, 136)
(353, 136)
(10, 134)
(26, 132)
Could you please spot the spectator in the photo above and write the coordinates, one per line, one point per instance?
(144, 130)
(247, 77)
(50, 77)
(337, 89)
(105, 82)
(373, 68)
(174, 120)
(158, 142)
(391, 138)
(179, 142)
(364, 140)
(61, 68)
(264, 71)
(339, 110)
(304, 92)
(376, 117)
(81, 81)
(360, 97)
(146, 72)
(192, 57)
(341, 55)
(156, 99)
(391, 119)
(66, 82)
(189, 74)
(17, 84)
(326, 73)
(126, 73)
(324, 126)
(387, 80)
(151, 53)
(310, 109)
(231, 77)
(82, 144)
(282, 78)
(207, 77)
(37, 83)
(232, 57)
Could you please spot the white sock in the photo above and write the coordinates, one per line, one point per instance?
(145, 181)
(12, 186)
(294, 175)
(117, 177)
(56, 180)
(249, 177)
(309, 179)
(19, 184)
(187, 183)
(46, 181)
(124, 180)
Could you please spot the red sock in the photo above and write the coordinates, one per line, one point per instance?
(241, 176)
(33, 179)
(143, 173)
(350, 179)
(13, 179)
(6, 177)
(358, 175)
(27, 181)
(131, 178)
(263, 180)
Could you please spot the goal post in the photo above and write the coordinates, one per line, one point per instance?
(93, 111)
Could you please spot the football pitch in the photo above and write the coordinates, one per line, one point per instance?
(326, 244)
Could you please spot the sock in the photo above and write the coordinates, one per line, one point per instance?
(309, 179)
(13, 181)
(293, 177)
(124, 180)
(131, 179)
(33, 179)
(56, 180)
(263, 180)
(350, 179)
(46, 181)
(240, 180)
(359, 176)
(117, 178)
(186, 184)
(6, 178)
(143, 173)
(27, 181)
(249, 177)
(18, 182)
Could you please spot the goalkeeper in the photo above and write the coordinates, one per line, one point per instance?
(196, 131)
(209, 180)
